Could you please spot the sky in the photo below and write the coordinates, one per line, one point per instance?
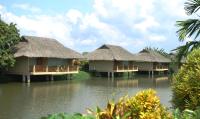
(85, 25)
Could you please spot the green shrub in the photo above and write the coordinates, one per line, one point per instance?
(82, 75)
(144, 105)
(186, 114)
(186, 83)
(67, 116)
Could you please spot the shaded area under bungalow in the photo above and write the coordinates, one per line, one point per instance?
(111, 59)
(43, 56)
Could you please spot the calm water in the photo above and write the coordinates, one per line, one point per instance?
(22, 101)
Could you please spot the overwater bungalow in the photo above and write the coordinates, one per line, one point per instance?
(151, 61)
(43, 56)
(111, 59)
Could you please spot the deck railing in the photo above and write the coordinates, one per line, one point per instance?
(125, 68)
(42, 68)
(160, 67)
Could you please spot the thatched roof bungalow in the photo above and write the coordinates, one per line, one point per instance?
(149, 60)
(44, 56)
(111, 58)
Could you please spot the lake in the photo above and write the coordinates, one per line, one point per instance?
(31, 101)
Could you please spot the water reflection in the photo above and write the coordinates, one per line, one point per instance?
(22, 101)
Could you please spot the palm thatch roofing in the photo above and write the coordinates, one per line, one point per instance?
(152, 56)
(109, 53)
(32, 46)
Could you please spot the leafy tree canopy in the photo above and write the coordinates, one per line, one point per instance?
(189, 28)
(9, 36)
(158, 50)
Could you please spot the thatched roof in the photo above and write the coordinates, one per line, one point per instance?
(32, 46)
(152, 56)
(110, 53)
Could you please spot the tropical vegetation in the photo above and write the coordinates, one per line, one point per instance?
(189, 28)
(68, 116)
(144, 105)
(9, 36)
(186, 114)
(186, 84)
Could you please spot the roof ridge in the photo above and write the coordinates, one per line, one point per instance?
(36, 38)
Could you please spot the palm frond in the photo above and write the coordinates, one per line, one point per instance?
(192, 6)
(188, 28)
(183, 51)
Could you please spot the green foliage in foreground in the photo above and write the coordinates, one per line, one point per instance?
(67, 116)
(186, 84)
(186, 114)
(144, 105)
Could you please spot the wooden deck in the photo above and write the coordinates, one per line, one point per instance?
(55, 70)
(123, 68)
(160, 68)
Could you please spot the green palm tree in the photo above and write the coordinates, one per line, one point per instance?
(189, 28)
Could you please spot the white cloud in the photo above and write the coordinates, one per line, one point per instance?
(42, 25)
(1, 7)
(174, 7)
(157, 38)
(27, 7)
(149, 22)
(74, 15)
(88, 41)
(130, 23)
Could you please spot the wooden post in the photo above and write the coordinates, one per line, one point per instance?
(23, 78)
(77, 68)
(152, 73)
(66, 77)
(46, 68)
(67, 68)
(117, 67)
(28, 79)
(112, 74)
(28, 66)
(52, 78)
(57, 69)
(108, 74)
(149, 73)
(33, 68)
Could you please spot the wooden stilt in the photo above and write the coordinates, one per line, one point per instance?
(108, 74)
(23, 78)
(28, 78)
(52, 78)
(112, 74)
(152, 73)
(149, 73)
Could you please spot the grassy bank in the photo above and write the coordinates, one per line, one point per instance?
(82, 75)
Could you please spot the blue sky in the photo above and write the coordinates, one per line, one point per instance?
(85, 25)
